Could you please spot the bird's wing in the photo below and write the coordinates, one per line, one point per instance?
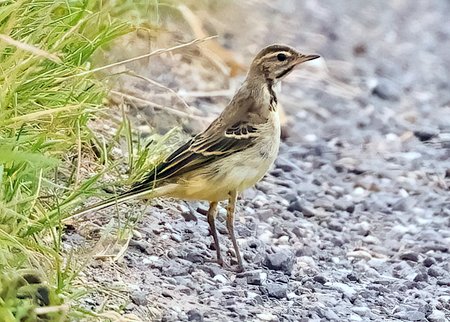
(203, 149)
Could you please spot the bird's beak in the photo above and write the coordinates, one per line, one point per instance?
(304, 58)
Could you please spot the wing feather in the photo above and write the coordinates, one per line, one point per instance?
(203, 149)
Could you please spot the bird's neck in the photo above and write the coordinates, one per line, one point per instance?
(262, 90)
(273, 96)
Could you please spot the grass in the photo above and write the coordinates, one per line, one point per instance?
(44, 113)
(50, 159)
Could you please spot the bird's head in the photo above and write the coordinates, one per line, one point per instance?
(274, 62)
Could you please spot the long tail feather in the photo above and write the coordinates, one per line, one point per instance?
(132, 194)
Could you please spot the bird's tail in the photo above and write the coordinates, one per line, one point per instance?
(128, 195)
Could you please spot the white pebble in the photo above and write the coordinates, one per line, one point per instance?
(310, 138)
(220, 278)
(283, 240)
(266, 317)
(359, 254)
(403, 193)
(359, 191)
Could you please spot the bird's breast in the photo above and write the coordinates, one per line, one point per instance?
(238, 171)
(248, 167)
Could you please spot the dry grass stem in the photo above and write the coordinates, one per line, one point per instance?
(29, 48)
(152, 104)
(153, 53)
(218, 93)
(153, 82)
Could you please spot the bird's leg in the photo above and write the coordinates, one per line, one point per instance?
(230, 226)
(212, 212)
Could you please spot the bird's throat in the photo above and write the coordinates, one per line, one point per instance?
(273, 96)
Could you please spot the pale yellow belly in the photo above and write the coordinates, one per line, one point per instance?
(216, 181)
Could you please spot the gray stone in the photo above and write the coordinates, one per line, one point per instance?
(194, 315)
(285, 165)
(276, 290)
(344, 205)
(410, 315)
(295, 205)
(256, 278)
(361, 310)
(267, 317)
(211, 270)
(139, 298)
(429, 261)
(437, 316)
(176, 237)
(176, 269)
(386, 90)
(280, 261)
(425, 134)
(347, 290)
(410, 256)
(324, 203)
(335, 225)
(434, 272)
(328, 314)
(320, 279)
(443, 282)
(421, 277)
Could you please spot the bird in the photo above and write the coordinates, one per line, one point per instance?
(232, 154)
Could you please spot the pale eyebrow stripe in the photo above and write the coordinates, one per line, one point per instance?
(276, 53)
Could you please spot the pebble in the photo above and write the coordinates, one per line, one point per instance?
(437, 316)
(420, 277)
(176, 237)
(176, 269)
(256, 278)
(267, 317)
(276, 290)
(443, 282)
(386, 90)
(139, 298)
(194, 315)
(362, 254)
(410, 315)
(328, 314)
(188, 215)
(285, 165)
(433, 272)
(410, 256)
(324, 203)
(361, 310)
(280, 261)
(320, 279)
(335, 225)
(252, 295)
(359, 192)
(295, 205)
(429, 261)
(221, 279)
(344, 205)
(308, 212)
(347, 290)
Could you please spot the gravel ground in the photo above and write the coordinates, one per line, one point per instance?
(352, 224)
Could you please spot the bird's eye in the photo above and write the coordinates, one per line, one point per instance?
(281, 57)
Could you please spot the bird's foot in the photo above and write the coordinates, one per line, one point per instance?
(226, 266)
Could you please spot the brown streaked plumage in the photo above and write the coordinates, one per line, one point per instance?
(232, 154)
